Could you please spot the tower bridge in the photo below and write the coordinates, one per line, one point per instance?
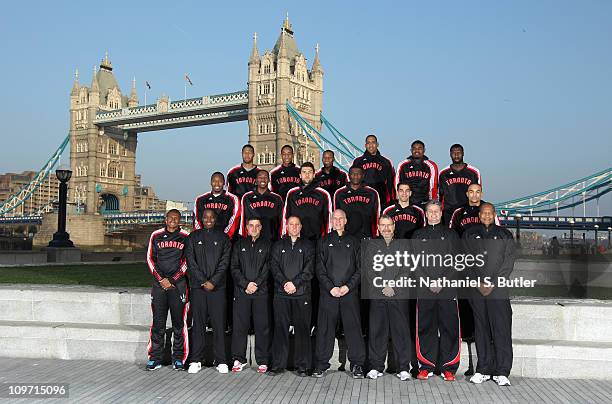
(105, 123)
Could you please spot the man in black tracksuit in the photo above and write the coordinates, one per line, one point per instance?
(361, 205)
(338, 271)
(330, 177)
(378, 171)
(453, 182)
(265, 205)
(292, 266)
(491, 303)
(225, 204)
(420, 173)
(241, 178)
(208, 258)
(285, 176)
(388, 311)
(468, 215)
(311, 204)
(169, 291)
(250, 269)
(407, 219)
(462, 220)
(438, 341)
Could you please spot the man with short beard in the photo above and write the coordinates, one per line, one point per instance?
(420, 173)
(361, 205)
(265, 205)
(330, 177)
(388, 313)
(311, 204)
(454, 180)
(241, 178)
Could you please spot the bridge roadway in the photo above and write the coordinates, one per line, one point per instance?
(206, 110)
(110, 382)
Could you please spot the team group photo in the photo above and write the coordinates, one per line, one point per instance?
(306, 202)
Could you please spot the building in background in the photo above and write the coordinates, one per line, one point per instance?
(41, 200)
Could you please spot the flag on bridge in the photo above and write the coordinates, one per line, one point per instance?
(188, 80)
(148, 85)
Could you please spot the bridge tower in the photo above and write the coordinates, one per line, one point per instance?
(277, 77)
(103, 163)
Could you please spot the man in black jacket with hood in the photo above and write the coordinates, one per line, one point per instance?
(208, 257)
(292, 266)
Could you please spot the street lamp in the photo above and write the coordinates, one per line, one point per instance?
(61, 238)
(518, 217)
(596, 228)
(571, 222)
(609, 230)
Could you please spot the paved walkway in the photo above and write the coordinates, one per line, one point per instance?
(102, 381)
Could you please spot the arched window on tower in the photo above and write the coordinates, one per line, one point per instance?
(267, 68)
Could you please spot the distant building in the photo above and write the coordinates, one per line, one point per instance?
(41, 200)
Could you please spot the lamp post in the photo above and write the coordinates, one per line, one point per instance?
(596, 228)
(518, 217)
(571, 222)
(61, 238)
(609, 230)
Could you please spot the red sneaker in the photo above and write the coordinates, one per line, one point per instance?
(448, 376)
(424, 374)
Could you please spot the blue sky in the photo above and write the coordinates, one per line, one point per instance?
(525, 86)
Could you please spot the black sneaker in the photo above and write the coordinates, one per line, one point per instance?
(318, 373)
(153, 365)
(302, 372)
(357, 372)
(275, 372)
(178, 365)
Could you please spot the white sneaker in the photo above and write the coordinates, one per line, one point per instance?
(222, 368)
(194, 367)
(238, 366)
(374, 374)
(479, 378)
(403, 375)
(503, 381)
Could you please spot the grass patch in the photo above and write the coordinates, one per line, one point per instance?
(120, 275)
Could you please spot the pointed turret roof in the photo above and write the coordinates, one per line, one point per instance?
(95, 88)
(133, 93)
(316, 65)
(254, 52)
(75, 86)
(285, 44)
